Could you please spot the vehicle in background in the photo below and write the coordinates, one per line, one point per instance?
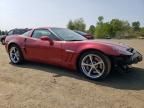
(13, 32)
(108, 37)
(141, 37)
(86, 35)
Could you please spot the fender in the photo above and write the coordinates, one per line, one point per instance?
(18, 41)
(108, 50)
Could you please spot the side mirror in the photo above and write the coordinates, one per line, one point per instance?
(46, 38)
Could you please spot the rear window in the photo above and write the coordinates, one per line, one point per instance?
(20, 31)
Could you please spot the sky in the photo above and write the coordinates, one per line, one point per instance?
(57, 13)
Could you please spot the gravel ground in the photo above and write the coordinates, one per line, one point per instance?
(33, 85)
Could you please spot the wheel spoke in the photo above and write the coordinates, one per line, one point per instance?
(14, 57)
(17, 58)
(89, 72)
(12, 54)
(85, 64)
(97, 71)
(90, 57)
(17, 53)
(100, 62)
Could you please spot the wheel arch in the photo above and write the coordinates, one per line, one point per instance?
(106, 60)
(87, 50)
(12, 43)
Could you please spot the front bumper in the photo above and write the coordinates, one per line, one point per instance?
(135, 58)
(128, 60)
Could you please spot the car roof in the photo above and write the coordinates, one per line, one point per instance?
(21, 29)
(46, 27)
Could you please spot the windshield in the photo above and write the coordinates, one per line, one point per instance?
(67, 35)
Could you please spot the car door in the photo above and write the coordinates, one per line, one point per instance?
(41, 50)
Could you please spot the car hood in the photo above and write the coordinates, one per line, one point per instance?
(108, 43)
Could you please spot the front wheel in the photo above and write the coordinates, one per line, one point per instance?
(94, 65)
(15, 54)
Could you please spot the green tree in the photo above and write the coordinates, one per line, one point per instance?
(142, 30)
(77, 24)
(104, 30)
(100, 20)
(136, 25)
(71, 25)
(2, 33)
(125, 29)
(80, 24)
(91, 29)
(117, 26)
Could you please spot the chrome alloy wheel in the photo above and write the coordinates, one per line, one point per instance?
(14, 54)
(93, 66)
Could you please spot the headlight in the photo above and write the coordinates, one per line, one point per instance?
(122, 51)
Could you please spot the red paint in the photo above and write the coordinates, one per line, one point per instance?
(61, 53)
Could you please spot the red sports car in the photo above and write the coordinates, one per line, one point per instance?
(63, 47)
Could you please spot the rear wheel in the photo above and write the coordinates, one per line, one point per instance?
(15, 54)
(3, 41)
(94, 65)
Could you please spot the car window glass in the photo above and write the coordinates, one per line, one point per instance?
(67, 34)
(27, 33)
(10, 32)
(20, 31)
(42, 32)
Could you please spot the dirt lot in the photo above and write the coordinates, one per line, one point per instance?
(35, 85)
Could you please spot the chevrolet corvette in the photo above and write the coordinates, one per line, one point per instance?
(62, 47)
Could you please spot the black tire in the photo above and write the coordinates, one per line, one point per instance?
(106, 62)
(3, 41)
(21, 58)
